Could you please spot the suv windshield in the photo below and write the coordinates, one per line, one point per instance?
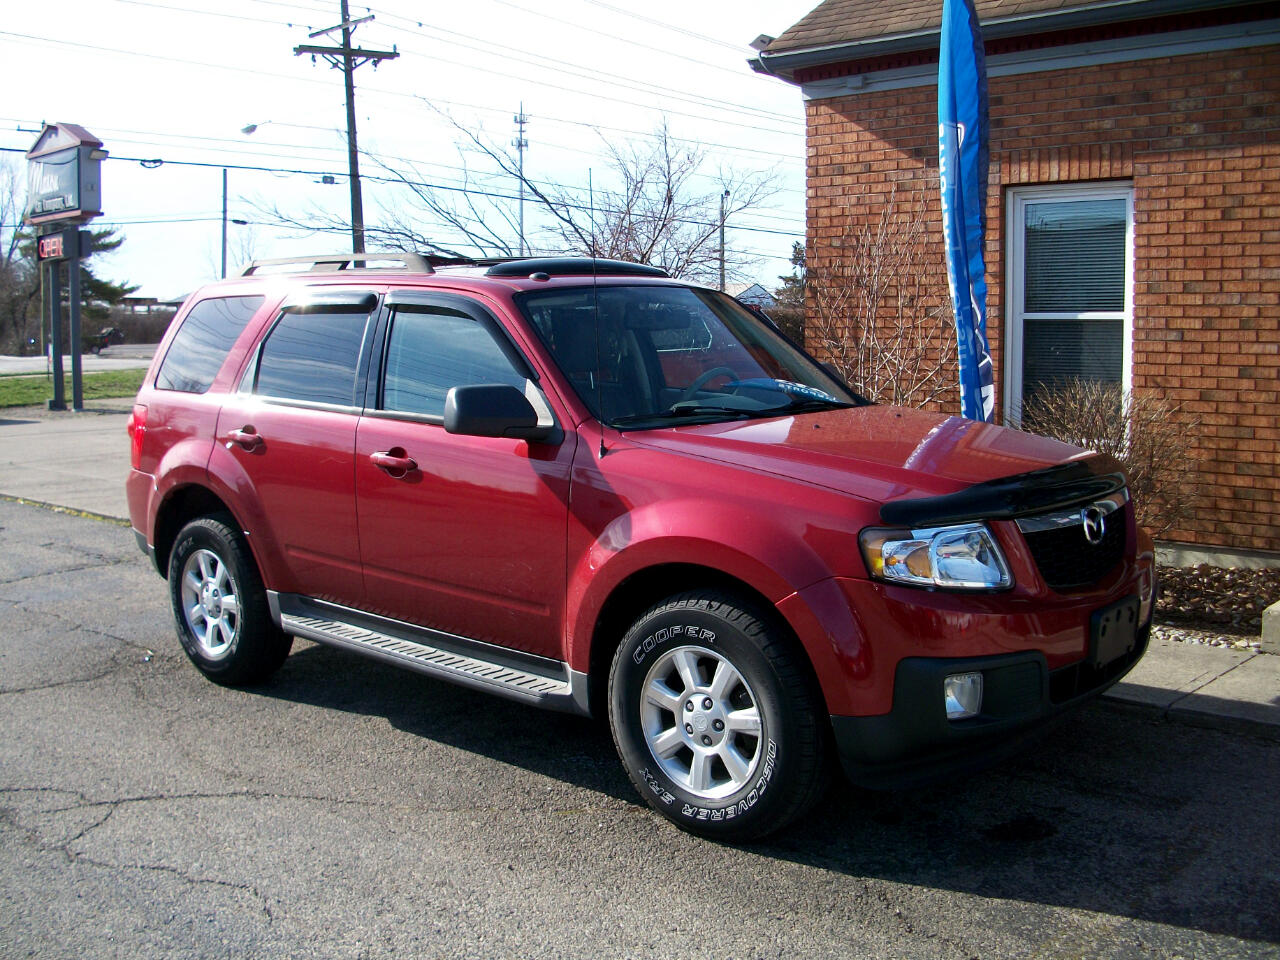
(651, 355)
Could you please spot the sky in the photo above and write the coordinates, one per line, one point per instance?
(177, 81)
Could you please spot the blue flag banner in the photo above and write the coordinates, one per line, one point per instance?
(962, 168)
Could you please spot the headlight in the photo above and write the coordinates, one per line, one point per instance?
(964, 557)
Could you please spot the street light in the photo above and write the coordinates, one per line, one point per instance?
(250, 128)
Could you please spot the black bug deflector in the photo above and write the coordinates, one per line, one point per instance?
(1064, 485)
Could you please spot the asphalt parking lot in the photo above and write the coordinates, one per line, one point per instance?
(351, 810)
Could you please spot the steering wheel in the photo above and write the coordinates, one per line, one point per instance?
(703, 379)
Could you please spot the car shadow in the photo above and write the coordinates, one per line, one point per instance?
(1114, 812)
(570, 748)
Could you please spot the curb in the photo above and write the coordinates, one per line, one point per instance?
(1193, 718)
(1270, 637)
(68, 511)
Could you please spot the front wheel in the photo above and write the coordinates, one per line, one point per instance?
(716, 721)
(220, 607)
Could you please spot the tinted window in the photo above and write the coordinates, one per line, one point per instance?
(203, 341)
(429, 352)
(313, 357)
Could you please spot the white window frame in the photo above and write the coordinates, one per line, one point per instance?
(1015, 216)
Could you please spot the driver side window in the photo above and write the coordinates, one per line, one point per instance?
(431, 350)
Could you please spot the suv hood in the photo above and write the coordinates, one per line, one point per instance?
(876, 453)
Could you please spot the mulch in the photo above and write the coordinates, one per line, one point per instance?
(1226, 599)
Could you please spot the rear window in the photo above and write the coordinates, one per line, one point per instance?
(313, 357)
(203, 341)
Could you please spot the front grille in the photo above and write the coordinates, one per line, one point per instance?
(1068, 561)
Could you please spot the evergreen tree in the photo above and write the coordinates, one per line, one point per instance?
(20, 319)
(791, 292)
(98, 296)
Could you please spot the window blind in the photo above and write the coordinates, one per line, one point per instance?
(1075, 256)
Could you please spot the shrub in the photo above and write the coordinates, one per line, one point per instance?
(879, 310)
(1142, 431)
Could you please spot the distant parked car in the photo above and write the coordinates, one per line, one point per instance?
(589, 487)
(97, 342)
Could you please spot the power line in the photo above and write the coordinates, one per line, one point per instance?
(376, 90)
(573, 70)
(385, 157)
(211, 13)
(489, 194)
(665, 26)
(397, 93)
(629, 41)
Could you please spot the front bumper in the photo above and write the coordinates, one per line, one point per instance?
(915, 742)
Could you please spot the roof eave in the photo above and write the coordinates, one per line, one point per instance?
(785, 65)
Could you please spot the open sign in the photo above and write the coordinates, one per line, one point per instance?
(50, 248)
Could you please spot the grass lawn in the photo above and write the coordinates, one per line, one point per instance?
(27, 391)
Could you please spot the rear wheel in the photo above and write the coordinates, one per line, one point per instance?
(716, 721)
(220, 607)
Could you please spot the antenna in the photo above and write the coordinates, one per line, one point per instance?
(595, 296)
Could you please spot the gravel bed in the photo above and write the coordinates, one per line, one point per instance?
(1206, 638)
(1222, 600)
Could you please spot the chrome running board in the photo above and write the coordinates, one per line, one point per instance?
(508, 673)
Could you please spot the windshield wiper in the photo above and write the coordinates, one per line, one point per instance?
(806, 405)
(685, 411)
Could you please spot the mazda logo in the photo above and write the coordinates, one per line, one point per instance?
(1094, 522)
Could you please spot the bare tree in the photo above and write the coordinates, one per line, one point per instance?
(19, 276)
(646, 208)
(242, 249)
(879, 309)
(394, 229)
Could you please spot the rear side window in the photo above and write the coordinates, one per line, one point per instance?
(313, 357)
(432, 350)
(203, 341)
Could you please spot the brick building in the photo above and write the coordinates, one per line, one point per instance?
(1133, 204)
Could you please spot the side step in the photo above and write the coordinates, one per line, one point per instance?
(536, 680)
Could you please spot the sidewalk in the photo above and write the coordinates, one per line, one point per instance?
(120, 357)
(80, 460)
(75, 460)
(1209, 686)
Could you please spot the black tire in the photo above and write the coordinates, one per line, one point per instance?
(227, 633)
(745, 785)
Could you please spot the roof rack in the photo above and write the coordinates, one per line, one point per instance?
(573, 267)
(333, 263)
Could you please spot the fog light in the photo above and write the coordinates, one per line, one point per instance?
(963, 695)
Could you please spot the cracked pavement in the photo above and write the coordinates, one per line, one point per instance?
(347, 809)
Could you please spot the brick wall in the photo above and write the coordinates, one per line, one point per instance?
(1199, 138)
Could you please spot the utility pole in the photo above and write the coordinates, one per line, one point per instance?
(224, 223)
(521, 145)
(347, 58)
(724, 199)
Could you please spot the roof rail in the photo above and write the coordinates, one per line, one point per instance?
(412, 262)
(573, 267)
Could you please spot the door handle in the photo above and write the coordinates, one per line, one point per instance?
(246, 437)
(395, 461)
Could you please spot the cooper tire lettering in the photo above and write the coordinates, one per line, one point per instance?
(659, 637)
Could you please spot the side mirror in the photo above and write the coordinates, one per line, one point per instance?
(495, 410)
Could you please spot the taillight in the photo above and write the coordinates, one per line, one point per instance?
(137, 429)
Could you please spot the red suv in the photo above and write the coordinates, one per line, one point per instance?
(585, 486)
